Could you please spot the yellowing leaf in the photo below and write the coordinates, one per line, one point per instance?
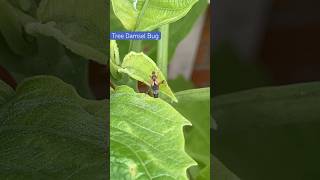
(140, 67)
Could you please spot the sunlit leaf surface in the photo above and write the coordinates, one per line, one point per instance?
(147, 15)
(147, 139)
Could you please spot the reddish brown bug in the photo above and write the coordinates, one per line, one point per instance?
(155, 84)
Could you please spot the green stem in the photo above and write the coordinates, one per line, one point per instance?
(162, 52)
(135, 45)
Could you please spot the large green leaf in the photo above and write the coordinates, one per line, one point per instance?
(80, 25)
(147, 15)
(12, 21)
(269, 133)
(146, 138)
(180, 83)
(194, 104)
(49, 132)
(178, 30)
(51, 59)
(115, 25)
(29, 7)
(28, 56)
(140, 67)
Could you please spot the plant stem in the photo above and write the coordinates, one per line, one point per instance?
(162, 51)
(135, 45)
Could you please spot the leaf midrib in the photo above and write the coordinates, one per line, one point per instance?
(139, 158)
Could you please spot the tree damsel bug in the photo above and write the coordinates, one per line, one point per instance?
(155, 84)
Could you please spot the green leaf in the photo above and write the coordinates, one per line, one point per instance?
(114, 60)
(180, 84)
(220, 172)
(269, 133)
(82, 29)
(115, 25)
(149, 15)
(178, 30)
(114, 53)
(51, 59)
(26, 5)
(140, 67)
(6, 92)
(12, 21)
(50, 132)
(194, 104)
(146, 138)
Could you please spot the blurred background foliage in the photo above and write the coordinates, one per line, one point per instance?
(266, 133)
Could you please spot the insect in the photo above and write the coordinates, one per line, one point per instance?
(155, 84)
(135, 4)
